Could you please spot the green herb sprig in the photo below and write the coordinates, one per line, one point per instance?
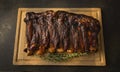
(61, 57)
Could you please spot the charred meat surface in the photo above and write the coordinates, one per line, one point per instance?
(60, 31)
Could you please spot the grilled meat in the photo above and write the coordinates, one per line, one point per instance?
(61, 29)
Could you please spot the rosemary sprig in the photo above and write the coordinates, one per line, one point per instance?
(61, 57)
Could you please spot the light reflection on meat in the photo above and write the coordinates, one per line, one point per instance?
(51, 31)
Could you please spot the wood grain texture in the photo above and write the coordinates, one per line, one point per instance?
(20, 58)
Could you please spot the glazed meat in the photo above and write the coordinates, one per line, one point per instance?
(61, 29)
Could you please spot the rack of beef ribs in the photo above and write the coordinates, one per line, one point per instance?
(60, 31)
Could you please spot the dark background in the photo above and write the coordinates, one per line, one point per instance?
(111, 27)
